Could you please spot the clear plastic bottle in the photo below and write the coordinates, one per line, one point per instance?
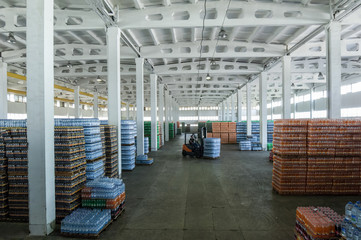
(354, 212)
(358, 219)
(348, 210)
(349, 230)
(356, 234)
(344, 226)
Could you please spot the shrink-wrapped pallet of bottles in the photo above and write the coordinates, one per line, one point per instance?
(319, 156)
(111, 151)
(70, 163)
(16, 146)
(171, 130)
(4, 185)
(128, 133)
(317, 223)
(106, 193)
(212, 147)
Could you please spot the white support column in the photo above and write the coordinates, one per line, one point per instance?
(286, 87)
(311, 103)
(219, 112)
(228, 112)
(96, 106)
(272, 109)
(198, 113)
(140, 105)
(3, 90)
(333, 57)
(161, 109)
(127, 112)
(114, 85)
(76, 102)
(153, 102)
(249, 109)
(263, 109)
(166, 128)
(223, 111)
(233, 110)
(239, 105)
(40, 110)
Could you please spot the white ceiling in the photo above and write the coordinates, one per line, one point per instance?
(169, 33)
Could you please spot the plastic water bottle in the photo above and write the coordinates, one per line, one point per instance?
(354, 212)
(356, 234)
(348, 210)
(358, 218)
(344, 226)
(349, 230)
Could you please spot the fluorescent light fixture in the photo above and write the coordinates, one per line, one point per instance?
(222, 34)
(11, 38)
(99, 79)
(68, 65)
(320, 76)
(208, 77)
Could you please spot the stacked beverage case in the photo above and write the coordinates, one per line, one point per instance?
(70, 164)
(4, 185)
(317, 156)
(212, 147)
(111, 151)
(128, 133)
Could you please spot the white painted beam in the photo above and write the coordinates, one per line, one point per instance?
(77, 102)
(249, 109)
(161, 110)
(154, 115)
(95, 106)
(3, 90)
(239, 105)
(263, 109)
(286, 87)
(140, 105)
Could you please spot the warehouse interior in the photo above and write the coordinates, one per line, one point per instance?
(275, 85)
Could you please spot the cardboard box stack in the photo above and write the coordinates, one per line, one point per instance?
(70, 163)
(226, 131)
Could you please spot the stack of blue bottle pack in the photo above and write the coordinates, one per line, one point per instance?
(241, 129)
(270, 126)
(146, 145)
(245, 145)
(212, 147)
(128, 133)
(13, 123)
(255, 130)
(94, 169)
(85, 222)
(256, 146)
(144, 160)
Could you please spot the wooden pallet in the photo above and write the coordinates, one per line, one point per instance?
(86, 236)
(211, 158)
(145, 164)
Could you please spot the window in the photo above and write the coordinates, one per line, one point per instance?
(277, 116)
(351, 112)
(299, 99)
(320, 114)
(12, 98)
(356, 87)
(306, 97)
(317, 95)
(346, 89)
(303, 115)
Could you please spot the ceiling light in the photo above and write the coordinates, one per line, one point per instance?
(208, 77)
(293, 85)
(68, 65)
(99, 79)
(320, 76)
(11, 38)
(213, 62)
(222, 34)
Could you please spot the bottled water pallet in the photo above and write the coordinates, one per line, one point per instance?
(147, 162)
(87, 236)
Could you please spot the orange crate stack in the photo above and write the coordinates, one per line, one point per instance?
(224, 137)
(224, 127)
(216, 127)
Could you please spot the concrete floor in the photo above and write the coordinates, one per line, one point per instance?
(186, 198)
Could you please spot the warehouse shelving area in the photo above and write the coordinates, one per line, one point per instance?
(180, 119)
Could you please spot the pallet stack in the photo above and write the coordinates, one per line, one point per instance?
(226, 131)
(111, 151)
(105, 193)
(4, 185)
(147, 133)
(328, 162)
(128, 133)
(102, 137)
(171, 130)
(70, 163)
(160, 137)
(290, 157)
(255, 130)
(16, 146)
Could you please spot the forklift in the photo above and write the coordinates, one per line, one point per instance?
(194, 148)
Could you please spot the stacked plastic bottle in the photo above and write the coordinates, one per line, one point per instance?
(290, 156)
(16, 146)
(351, 224)
(111, 151)
(245, 145)
(212, 147)
(85, 222)
(160, 134)
(146, 145)
(317, 223)
(102, 137)
(4, 185)
(143, 160)
(147, 132)
(171, 130)
(70, 163)
(241, 128)
(330, 155)
(256, 146)
(128, 133)
(106, 193)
